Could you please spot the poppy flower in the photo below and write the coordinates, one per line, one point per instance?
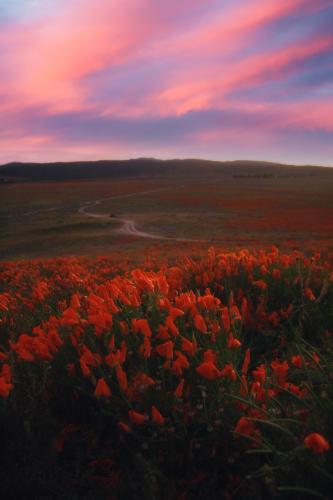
(188, 346)
(316, 442)
(179, 389)
(309, 294)
(145, 348)
(208, 370)
(102, 390)
(200, 323)
(233, 343)
(172, 328)
(156, 416)
(5, 388)
(247, 428)
(297, 361)
(229, 372)
(225, 319)
(259, 373)
(121, 377)
(124, 427)
(260, 284)
(315, 358)
(246, 362)
(165, 350)
(136, 417)
(280, 369)
(210, 355)
(143, 327)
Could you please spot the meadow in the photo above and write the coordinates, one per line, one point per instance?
(197, 364)
(291, 210)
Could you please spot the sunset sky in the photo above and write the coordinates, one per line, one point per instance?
(217, 79)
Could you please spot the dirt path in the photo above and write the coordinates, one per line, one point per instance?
(128, 225)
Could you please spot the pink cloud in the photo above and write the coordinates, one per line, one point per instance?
(45, 59)
(209, 90)
(196, 55)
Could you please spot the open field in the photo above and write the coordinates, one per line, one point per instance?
(50, 218)
(167, 336)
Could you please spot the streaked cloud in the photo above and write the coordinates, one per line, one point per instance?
(86, 79)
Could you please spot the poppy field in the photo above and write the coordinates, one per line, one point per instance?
(292, 210)
(203, 376)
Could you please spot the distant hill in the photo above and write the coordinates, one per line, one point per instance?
(143, 167)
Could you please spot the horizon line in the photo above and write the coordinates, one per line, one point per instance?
(185, 158)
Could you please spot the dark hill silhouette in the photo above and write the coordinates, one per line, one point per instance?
(143, 167)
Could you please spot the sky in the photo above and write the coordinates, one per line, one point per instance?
(215, 79)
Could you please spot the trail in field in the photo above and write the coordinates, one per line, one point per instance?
(129, 226)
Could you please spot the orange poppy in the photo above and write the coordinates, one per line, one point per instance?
(208, 370)
(316, 442)
(102, 390)
(179, 389)
(200, 323)
(165, 350)
(156, 416)
(136, 417)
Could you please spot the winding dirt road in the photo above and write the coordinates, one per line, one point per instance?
(129, 226)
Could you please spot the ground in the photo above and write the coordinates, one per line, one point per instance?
(43, 219)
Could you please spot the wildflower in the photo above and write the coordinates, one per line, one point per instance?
(315, 358)
(208, 302)
(165, 350)
(121, 377)
(142, 280)
(90, 358)
(179, 389)
(260, 373)
(225, 319)
(297, 361)
(233, 343)
(316, 442)
(70, 317)
(297, 390)
(5, 388)
(235, 314)
(137, 418)
(209, 355)
(75, 301)
(260, 284)
(208, 370)
(145, 348)
(229, 372)
(156, 416)
(180, 363)
(309, 294)
(247, 428)
(163, 332)
(175, 312)
(188, 346)
(280, 370)
(246, 362)
(141, 326)
(85, 368)
(102, 390)
(200, 323)
(172, 328)
(274, 318)
(124, 427)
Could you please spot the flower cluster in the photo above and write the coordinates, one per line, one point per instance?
(226, 354)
